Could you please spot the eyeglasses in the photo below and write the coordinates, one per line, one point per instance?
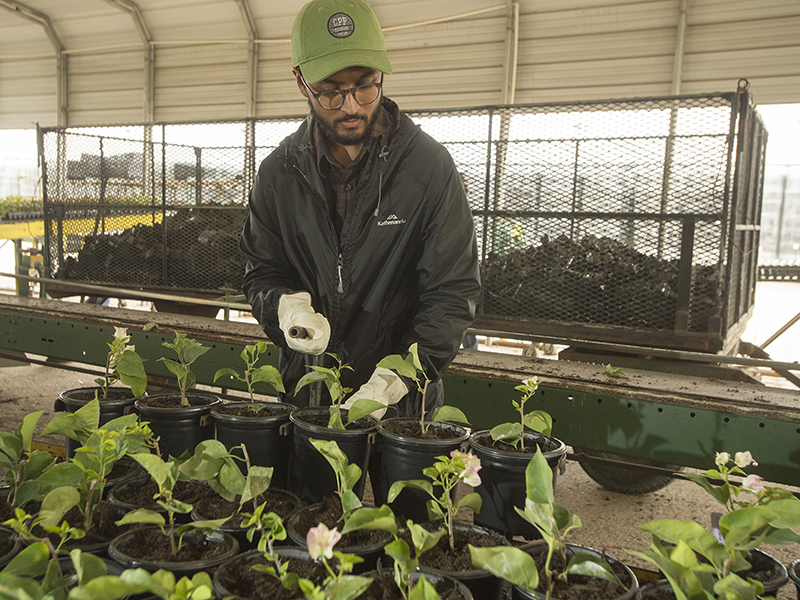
(363, 94)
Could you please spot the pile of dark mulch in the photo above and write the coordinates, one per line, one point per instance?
(595, 280)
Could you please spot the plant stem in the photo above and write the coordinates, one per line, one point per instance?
(449, 517)
(422, 408)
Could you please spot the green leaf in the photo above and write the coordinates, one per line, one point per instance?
(423, 590)
(419, 484)
(423, 539)
(142, 515)
(56, 504)
(348, 587)
(175, 368)
(472, 501)
(350, 501)
(363, 407)
(226, 371)
(27, 426)
(155, 467)
(371, 518)
(539, 479)
(193, 352)
(450, 414)
(268, 374)
(130, 369)
(399, 365)
(30, 562)
(583, 563)
(507, 433)
(539, 420)
(509, 563)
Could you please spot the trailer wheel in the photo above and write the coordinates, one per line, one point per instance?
(625, 479)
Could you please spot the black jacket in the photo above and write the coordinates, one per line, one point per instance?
(403, 270)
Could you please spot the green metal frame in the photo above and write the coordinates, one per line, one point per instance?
(670, 418)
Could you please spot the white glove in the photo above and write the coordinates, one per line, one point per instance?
(385, 386)
(295, 311)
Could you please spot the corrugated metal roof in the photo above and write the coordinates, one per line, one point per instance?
(568, 50)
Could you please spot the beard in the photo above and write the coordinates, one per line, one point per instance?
(349, 138)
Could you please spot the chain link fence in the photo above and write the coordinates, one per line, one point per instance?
(631, 221)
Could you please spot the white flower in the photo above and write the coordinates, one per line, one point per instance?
(321, 541)
(472, 464)
(752, 483)
(722, 459)
(744, 459)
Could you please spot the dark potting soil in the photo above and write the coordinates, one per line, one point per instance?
(113, 394)
(265, 410)
(528, 446)
(152, 545)
(6, 542)
(212, 507)
(173, 401)
(245, 582)
(321, 420)
(329, 511)
(103, 529)
(443, 558)
(580, 587)
(412, 430)
(141, 492)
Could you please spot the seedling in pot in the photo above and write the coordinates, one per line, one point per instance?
(405, 565)
(695, 560)
(331, 376)
(133, 582)
(411, 368)
(537, 420)
(553, 523)
(347, 475)
(187, 350)
(270, 528)
(338, 585)
(123, 364)
(23, 464)
(166, 474)
(252, 374)
(445, 474)
(101, 448)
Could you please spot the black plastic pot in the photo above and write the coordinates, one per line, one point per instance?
(623, 571)
(72, 400)
(227, 585)
(781, 574)
(180, 569)
(235, 528)
(793, 571)
(311, 477)
(179, 428)
(267, 436)
(370, 553)
(659, 588)
(431, 577)
(16, 545)
(404, 457)
(503, 481)
(480, 583)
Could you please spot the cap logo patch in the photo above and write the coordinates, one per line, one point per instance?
(341, 25)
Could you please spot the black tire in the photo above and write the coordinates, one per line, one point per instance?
(625, 479)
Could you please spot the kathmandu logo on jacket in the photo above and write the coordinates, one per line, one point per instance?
(392, 220)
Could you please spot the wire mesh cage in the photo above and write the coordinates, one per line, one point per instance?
(628, 221)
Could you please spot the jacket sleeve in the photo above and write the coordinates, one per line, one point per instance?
(267, 273)
(448, 271)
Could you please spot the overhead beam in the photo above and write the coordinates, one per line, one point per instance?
(26, 12)
(252, 57)
(680, 43)
(149, 54)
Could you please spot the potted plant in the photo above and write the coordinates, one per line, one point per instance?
(562, 563)
(178, 418)
(87, 472)
(262, 427)
(333, 511)
(408, 445)
(236, 495)
(724, 557)
(123, 365)
(183, 549)
(505, 452)
(451, 552)
(23, 464)
(309, 476)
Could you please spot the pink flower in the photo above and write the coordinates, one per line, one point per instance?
(321, 541)
(722, 459)
(744, 459)
(471, 464)
(752, 483)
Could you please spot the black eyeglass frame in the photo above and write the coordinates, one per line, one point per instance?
(344, 93)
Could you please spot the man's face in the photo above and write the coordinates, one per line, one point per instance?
(351, 123)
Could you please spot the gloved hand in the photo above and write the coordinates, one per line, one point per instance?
(385, 386)
(294, 310)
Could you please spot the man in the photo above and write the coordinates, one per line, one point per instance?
(359, 235)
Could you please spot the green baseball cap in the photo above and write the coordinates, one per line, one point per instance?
(331, 35)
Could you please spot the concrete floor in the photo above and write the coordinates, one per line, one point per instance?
(610, 520)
